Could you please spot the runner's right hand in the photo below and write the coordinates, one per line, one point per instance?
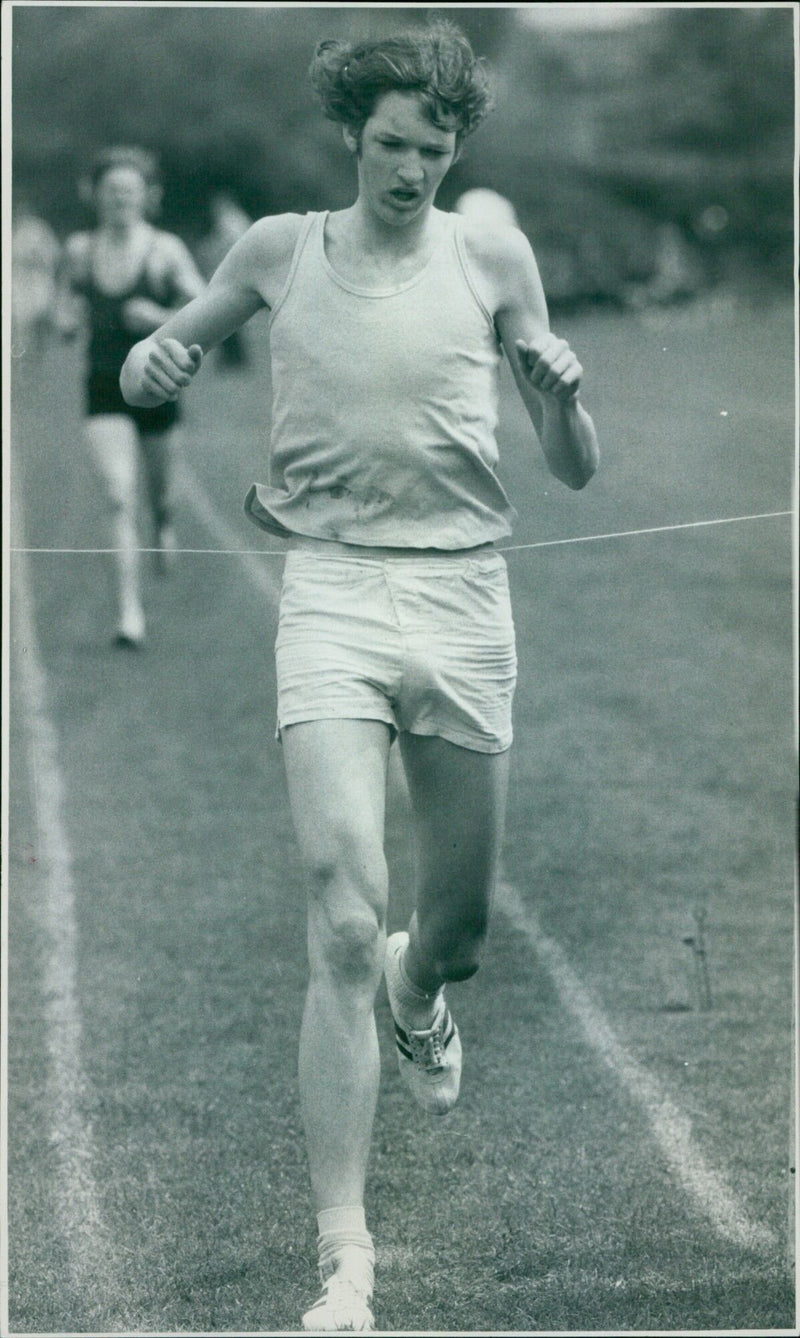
(169, 367)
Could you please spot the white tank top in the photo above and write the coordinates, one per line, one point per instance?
(384, 406)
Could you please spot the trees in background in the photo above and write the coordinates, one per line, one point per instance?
(603, 140)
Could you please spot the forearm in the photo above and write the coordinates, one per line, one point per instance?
(144, 316)
(163, 364)
(569, 442)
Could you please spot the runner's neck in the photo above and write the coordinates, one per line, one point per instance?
(361, 248)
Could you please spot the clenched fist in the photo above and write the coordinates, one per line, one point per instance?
(169, 367)
(551, 367)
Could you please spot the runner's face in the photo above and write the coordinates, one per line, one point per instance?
(121, 195)
(403, 158)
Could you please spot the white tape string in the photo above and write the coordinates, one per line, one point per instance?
(504, 548)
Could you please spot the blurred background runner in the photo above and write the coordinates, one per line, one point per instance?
(34, 257)
(120, 281)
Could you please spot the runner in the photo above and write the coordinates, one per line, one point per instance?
(122, 280)
(34, 258)
(388, 323)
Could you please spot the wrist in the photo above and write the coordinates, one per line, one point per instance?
(561, 409)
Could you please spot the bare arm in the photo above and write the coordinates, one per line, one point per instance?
(249, 278)
(547, 372)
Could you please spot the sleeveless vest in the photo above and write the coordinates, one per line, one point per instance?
(384, 406)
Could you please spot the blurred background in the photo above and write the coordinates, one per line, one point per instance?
(648, 151)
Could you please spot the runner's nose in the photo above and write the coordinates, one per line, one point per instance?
(411, 173)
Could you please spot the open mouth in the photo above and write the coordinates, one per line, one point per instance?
(404, 197)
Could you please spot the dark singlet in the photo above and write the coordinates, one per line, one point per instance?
(110, 342)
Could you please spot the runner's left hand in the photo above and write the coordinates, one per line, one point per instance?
(551, 367)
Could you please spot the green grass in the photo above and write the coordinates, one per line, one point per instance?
(652, 777)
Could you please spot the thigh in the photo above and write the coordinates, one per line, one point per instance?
(338, 651)
(113, 442)
(461, 662)
(336, 775)
(458, 801)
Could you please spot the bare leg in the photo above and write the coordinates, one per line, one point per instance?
(113, 443)
(458, 799)
(157, 456)
(336, 771)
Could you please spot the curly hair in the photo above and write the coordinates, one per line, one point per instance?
(436, 61)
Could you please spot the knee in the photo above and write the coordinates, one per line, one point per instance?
(353, 948)
(347, 922)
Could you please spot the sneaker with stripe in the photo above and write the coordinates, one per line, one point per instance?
(429, 1058)
(341, 1308)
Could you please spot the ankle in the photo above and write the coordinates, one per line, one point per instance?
(427, 992)
(417, 1007)
(345, 1246)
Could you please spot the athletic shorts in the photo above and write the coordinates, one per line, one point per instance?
(103, 395)
(425, 644)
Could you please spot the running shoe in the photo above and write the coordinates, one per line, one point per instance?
(130, 632)
(429, 1059)
(341, 1308)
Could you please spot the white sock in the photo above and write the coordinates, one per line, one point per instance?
(417, 1008)
(345, 1246)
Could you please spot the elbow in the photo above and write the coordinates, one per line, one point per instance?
(575, 482)
(578, 480)
(575, 474)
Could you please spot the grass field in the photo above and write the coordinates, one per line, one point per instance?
(620, 1158)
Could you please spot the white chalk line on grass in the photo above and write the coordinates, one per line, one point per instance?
(266, 580)
(91, 1252)
(671, 1128)
(187, 480)
(83, 1231)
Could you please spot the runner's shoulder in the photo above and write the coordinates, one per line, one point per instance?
(496, 247)
(272, 239)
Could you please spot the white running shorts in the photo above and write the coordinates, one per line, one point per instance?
(425, 644)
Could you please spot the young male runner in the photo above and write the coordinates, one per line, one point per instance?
(388, 323)
(121, 280)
